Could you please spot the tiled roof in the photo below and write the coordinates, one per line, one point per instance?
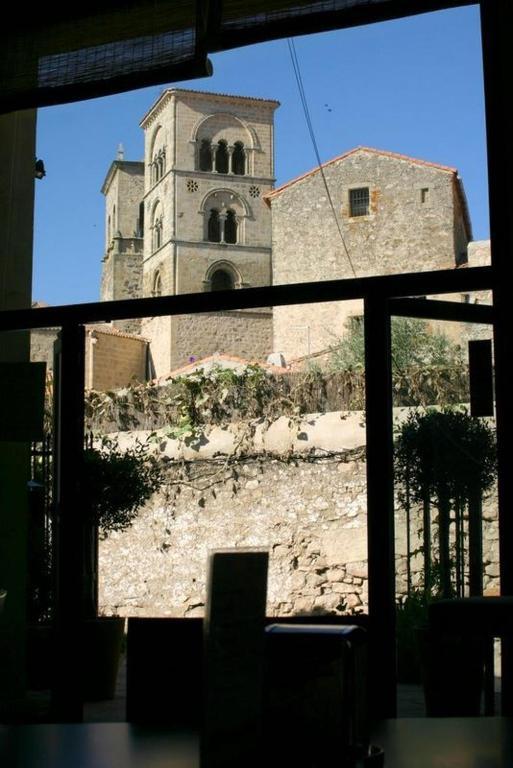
(115, 332)
(218, 357)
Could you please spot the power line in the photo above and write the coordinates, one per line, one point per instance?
(302, 95)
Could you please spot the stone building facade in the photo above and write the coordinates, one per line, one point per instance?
(196, 216)
(122, 272)
(113, 357)
(199, 197)
(393, 214)
(300, 493)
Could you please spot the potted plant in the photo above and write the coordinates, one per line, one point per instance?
(445, 461)
(117, 482)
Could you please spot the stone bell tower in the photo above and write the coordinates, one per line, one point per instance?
(208, 162)
(122, 267)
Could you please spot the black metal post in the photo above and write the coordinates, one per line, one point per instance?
(497, 62)
(475, 543)
(68, 457)
(380, 506)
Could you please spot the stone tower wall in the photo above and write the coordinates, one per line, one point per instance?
(243, 333)
(122, 267)
(182, 198)
(252, 266)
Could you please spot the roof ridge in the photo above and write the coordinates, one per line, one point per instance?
(168, 91)
(382, 152)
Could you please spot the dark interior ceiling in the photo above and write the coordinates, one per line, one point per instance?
(68, 53)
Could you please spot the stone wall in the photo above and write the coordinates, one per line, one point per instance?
(122, 276)
(114, 359)
(41, 346)
(244, 333)
(183, 196)
(251, 267)
(122, 265)
(302, 496)
(174, 340)
(413, 225)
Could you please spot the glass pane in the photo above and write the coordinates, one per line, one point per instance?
(401, 190)
(256, 448)
(446, 512)
(27, 517)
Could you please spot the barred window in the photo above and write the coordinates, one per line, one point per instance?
(359, 201)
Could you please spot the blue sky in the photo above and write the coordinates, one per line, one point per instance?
(412, 86)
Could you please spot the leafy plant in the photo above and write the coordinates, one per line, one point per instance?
(117, 483)
(411, 615)
(414, 344)
(446, 459)
(427, 366)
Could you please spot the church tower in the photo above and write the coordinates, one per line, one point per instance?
(208, 163)
(122, 268)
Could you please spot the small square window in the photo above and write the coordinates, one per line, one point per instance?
(359, 201)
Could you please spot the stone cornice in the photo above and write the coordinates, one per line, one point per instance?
(222, 98)
(221, 248)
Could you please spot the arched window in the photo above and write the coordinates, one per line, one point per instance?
(205, 156)
(157, 285)
(157, 226)
(214, 226)
(158, 167)
(140, 221)
(221, 280)
(161, 163)
(222, 157)
(230, 227)
(157, 233)
(238, 159)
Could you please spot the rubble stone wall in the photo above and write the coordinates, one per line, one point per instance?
(307, 509)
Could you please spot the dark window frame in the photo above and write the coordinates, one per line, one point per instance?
(359, 202)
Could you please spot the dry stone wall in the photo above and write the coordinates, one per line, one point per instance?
(301, 495)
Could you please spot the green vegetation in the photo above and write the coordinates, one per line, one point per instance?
(117, 483)
(427, 367)
(413, 345)
(446, 460)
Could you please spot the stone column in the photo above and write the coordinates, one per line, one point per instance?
(222, 219)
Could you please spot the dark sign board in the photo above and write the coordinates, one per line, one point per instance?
(22, 398)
